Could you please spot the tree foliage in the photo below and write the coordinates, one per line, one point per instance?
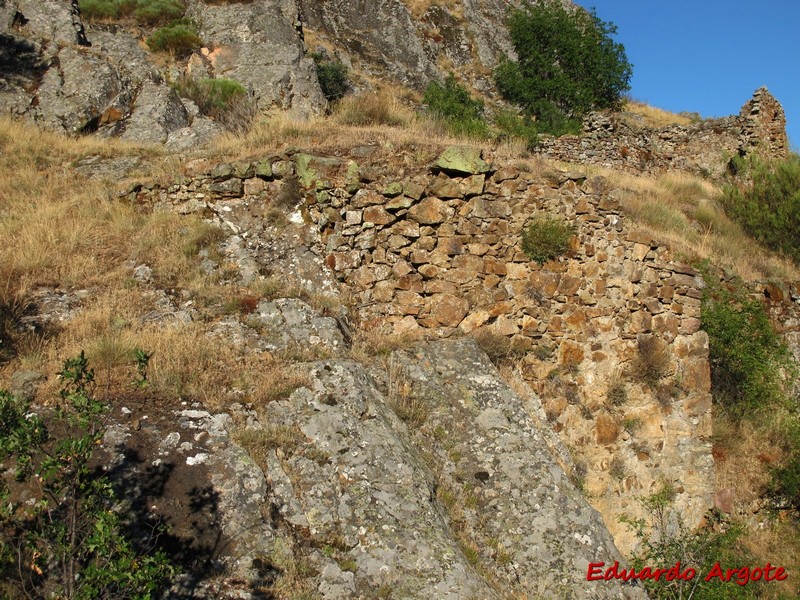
(765, 201)
(567, 64)
(332, 77)
(70, 542)
(452, 103)
(751, 367)
(665, 540)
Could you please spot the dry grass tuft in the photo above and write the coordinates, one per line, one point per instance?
(655, 117)
(373, 108)
(680, 210)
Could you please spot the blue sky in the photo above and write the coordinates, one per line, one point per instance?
(709, 56)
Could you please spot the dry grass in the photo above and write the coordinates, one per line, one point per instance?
(655, 117)
(373, 108)
(379, 119)
(680, 210)
(61, 230)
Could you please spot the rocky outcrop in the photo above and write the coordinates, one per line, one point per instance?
(72, 77)
(415, 42)
(612, 140)
(403, 511)
(258, 44)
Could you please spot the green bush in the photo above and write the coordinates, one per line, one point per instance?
(766, 202)
(224, 100)
(567, 64)
(179, 38)
(666, 540)
(451, 102)
(784, 486)
(513, 126)
(546, 237)
(146, 12)
(332, 77)
(750, 364)
(70, 543)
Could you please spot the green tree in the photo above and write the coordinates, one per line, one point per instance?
(452, 103)
(332, 77)
(567, 64)
(665, 540)
(70, 543)
(751, 366)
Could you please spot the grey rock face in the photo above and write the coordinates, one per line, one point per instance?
(25, 383)
(77, 88)
(52, 19)
(464, 501)
(258, 45)
(381, 32)
(157, 113)
(522, 514)
(387, 37)
(368, 489)
(291, 322)
(116, 88)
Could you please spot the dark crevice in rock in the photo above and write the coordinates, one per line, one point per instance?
(20, 62)
(19, 21)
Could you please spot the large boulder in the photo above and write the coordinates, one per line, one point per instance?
(258, 44)
(77, 89)
(157, 113)
(463, 500)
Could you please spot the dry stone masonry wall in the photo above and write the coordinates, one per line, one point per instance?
(614, 141)
(609, 334)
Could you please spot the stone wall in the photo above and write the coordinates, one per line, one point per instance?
(613, 140)
(437, 253)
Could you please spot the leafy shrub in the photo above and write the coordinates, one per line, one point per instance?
(70, 543)
(749, 360)
(332, 77)
(667, 541)
(513, 126)
(147, 12)
(224, 100)
(546, 237)
(453, 104)
(567, 64)
(766, 202)
(179, 38)
(784, 486)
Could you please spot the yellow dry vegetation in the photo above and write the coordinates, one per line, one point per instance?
(66, 231)
(372, 118)
(653, 116)
(682, 211)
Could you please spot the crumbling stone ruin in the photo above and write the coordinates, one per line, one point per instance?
(616, 141)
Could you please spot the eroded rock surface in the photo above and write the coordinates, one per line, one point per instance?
(464, 500)
(72, 77)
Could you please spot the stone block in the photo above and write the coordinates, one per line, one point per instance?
(377, 215)
(447, 309)
(474, 320)
(606, 429)
(430, 211)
